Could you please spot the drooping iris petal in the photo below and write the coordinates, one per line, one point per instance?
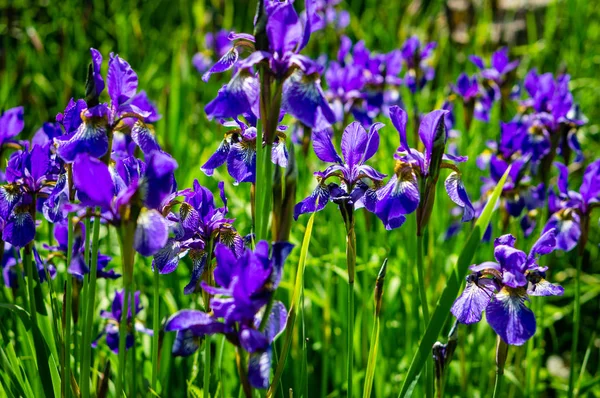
(226, 62)
(19, 229)
(143, 136)
(259, 369)
(10, 194)
(144, 107)
(185, 344)
(568, 230)
(304, 99)
(217, 159)
(544, 288)
(241, 162)
(93, 181)
(237, 97)
(198, 266)
(71, 117)
(90, 138)
(167, 258)
(253, 340)
(159, 177)
(151, 233)
(544, 245)
(313, 203)
(457, 192)
(468, 307)
(279, 154)
(399, 197)
(121, 79)
(276, 322)
(510, 318)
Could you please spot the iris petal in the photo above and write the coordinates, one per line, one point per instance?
(510, 318)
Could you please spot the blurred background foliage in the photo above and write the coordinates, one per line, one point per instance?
(44, 53)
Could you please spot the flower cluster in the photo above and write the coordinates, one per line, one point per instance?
(246, 285)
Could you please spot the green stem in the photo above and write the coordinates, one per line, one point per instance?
(132, 359)
(206, 381)
(156, 326)
(89, 313)
(501, 354)
(348, 216)
(498, 385)
(425, 309)
(576, 324)
(122, 336)
(67, 320)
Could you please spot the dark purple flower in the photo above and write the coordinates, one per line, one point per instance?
(502, 288)
(475, 100)
(402, 194)
(358, 146)
(416, 56)
(113, 319)
(147, 186)
(87, 128)
(238, 150)
(299, 76)
(500, 66)
(569, 208)
(246, 284)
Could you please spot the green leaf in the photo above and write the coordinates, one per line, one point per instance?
(450, 292)
(289, 327)
(21, 313)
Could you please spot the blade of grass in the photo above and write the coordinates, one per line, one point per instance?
(450, 292)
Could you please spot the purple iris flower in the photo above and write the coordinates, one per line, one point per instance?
(363, 83)
(131, 186)
(113, 319)
(408, 189)
(198, 227)
(246, 284)
(238, 150)
(500, 66)
(11, 124)
(416, 57)
(88, 126)
(570, 209)
(302, 96)
(358, 146)
(79, 266)
(476, 102)
(10, 260)
(326, 14)
(215, 45)
(501, 289)
(30, 175)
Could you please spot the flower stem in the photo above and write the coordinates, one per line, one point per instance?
(501, 353)
(348, 216)
(425, 309)
(89, 313)
(134, 371)
(206, 381)
(155, 327)
(67, 320)
(576, 323)
(241, 367)
(122, 336)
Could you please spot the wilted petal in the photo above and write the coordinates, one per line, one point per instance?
(469, 306)
(151, 233)
(510, 318)
(458, 194)
(121, 79)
